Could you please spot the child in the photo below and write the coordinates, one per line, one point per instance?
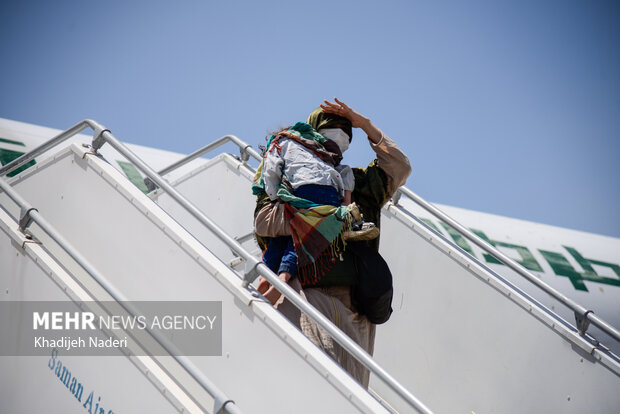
(308, 163)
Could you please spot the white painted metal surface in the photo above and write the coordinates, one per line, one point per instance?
(149, 256)
(220, 189)
(29, 273)
(459, 342)
(478, 341)
(597, 289)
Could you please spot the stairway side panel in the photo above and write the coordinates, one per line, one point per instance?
(463, 346)
(145, 255)
(29, 383)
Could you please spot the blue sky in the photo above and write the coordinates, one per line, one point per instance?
(511, 108)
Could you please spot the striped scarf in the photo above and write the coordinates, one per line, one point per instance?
(316, 229)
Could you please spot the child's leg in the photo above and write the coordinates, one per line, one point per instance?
(273, 258)
(288, 263)
(286, 270)
(274, 252)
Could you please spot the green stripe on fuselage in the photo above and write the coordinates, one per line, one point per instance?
(10, 141)
(6, 156)
(134, 175)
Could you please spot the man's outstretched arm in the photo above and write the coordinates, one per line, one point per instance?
(391, 159)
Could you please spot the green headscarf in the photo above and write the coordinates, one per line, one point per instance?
(319, 120)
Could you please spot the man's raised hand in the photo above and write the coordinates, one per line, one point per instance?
(341, 109)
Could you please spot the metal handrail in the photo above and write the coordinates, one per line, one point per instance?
(30, 214)
(101, 135)
(259, 268)
(245, 149)
(583, 316)
(245, 152)
(63, 136)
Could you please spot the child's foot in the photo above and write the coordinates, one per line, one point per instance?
(263, 285)
(272, 295)
(362, 231)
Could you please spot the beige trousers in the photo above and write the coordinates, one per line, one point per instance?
(335, 304)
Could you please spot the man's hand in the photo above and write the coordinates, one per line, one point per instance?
(341, 109)
(357, 120)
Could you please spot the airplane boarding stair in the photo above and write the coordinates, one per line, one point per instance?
(31, 383)
(462, 338)
(458, 328)
(145, 255)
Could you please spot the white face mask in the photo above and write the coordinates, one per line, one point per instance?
(338, 136)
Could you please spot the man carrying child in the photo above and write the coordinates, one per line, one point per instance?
(304, 192)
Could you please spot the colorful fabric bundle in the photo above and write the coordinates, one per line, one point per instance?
(316, 229)
(317, 236)
(307, 136)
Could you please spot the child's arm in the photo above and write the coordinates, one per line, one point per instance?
(347, 198)
(348, 179)
(273, 164)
